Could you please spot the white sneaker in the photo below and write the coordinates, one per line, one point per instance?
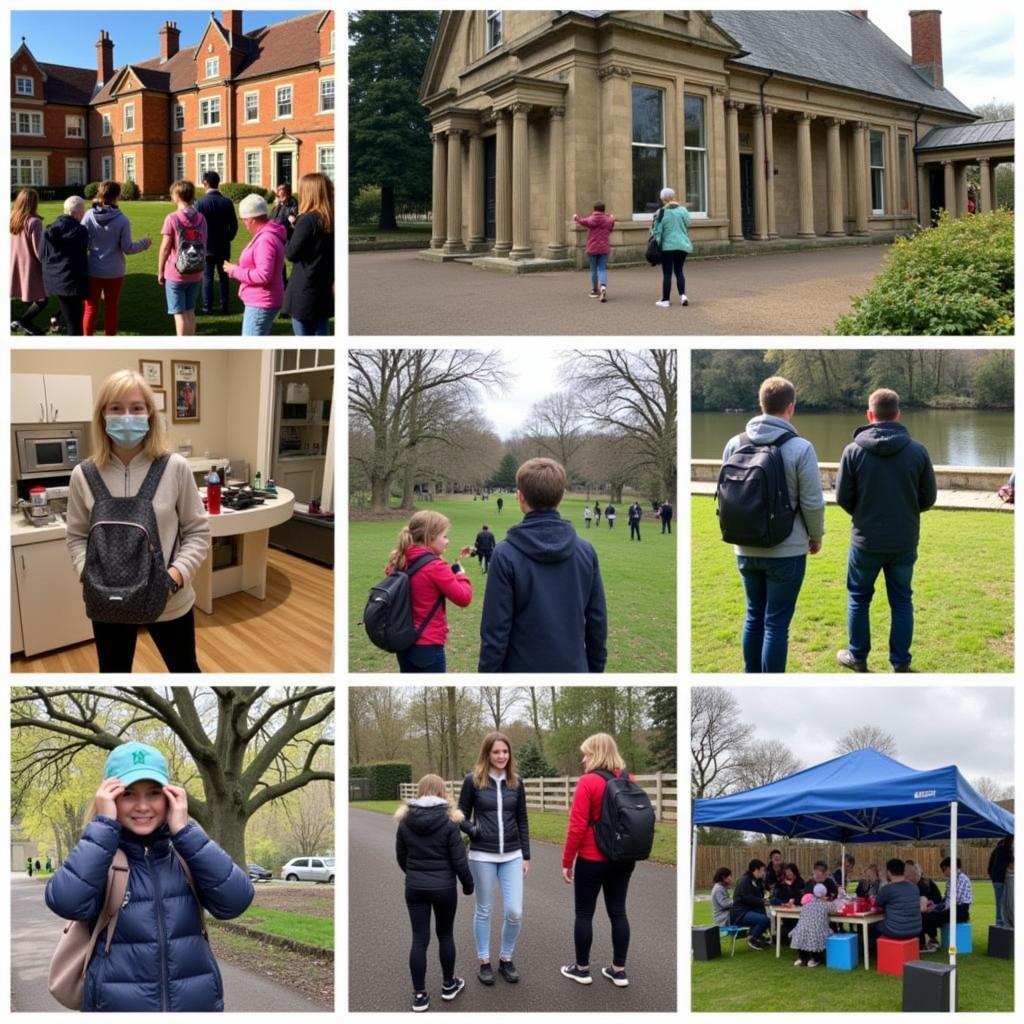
(664, 303)
(604, 293)
(683, 300)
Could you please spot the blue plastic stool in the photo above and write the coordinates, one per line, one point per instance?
(735, 930)
(842, 951)
(964, 938)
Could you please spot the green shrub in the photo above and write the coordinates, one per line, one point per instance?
(532, 764)
(129, 190)
(91, 189)
(357, 771)
(956, 278)
(385, 778)
(366, 205)
(236, 191)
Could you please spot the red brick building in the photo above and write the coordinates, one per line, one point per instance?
(256, 107)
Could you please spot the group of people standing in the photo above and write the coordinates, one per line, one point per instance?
(634, 516)
(79, 259)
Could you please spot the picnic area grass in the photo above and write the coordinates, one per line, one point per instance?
(314, 931)
(757, 981)
(143, 305)
(639, 582)
(963, 597)
(549, 827)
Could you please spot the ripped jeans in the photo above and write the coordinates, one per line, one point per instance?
(509, 876)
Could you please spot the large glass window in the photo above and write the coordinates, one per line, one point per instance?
(24, 86)
(129, 117)
(326, 94)
(106, 124)
(210, 160)
(28, 171)
(695, 150)
(648, 148)
(128, 163)
(179, 117)
(26, 122)
(209, 112)
(107, 168)
(284, 101)
(252, 106)
(253, 167)
(903, 154)
(493, 29)
(325, 160)
(877, 172)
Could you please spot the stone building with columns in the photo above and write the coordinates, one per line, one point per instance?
(796, 125)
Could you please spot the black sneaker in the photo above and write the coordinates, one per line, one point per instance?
(420, 1002)
(572, 971)
(486, 974)
(847, 660)
(451, 989)
(905, 667)
(756, 944)
(508, 971)
(617, 978)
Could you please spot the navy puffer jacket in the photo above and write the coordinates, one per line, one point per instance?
(159, 960)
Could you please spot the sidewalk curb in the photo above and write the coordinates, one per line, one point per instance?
(275, 940)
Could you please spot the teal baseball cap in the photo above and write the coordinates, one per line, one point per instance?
(131, 762)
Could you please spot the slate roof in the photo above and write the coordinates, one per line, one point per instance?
(68, 85)
(981, 134)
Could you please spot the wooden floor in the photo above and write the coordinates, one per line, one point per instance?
(291, 631)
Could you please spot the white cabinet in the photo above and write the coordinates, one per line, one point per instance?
(16, 642)
(303, 477)
(51, 398)
(50, 597)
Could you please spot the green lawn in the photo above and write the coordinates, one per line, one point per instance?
(757, 981)
(314, 931)
(407, 231)
(549, 827)
(143, 305)
(963, 597)
(639, 582)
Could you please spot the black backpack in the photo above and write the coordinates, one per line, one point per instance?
(625, 830)
(387, 616)
(124, 579)
(752, 496)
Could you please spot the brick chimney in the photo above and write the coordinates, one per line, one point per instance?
(863, 15)
(169, 36)
(926, 45)
(104, 58)
(232, 21)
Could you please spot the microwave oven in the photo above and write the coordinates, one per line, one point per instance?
(48, 451)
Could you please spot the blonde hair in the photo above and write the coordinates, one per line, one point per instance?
(432, 785)
(115, 387)
(482, 768)
(423, 528)
(26, 206)
(604, 752)
(316, 195)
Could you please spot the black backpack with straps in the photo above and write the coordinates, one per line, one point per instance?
(387, 616)
(625, 829)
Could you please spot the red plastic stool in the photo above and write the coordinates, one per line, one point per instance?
(894, 953)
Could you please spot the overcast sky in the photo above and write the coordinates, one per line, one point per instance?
(532, 374)
(971, 727)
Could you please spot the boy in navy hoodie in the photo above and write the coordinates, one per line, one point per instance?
(544, 607)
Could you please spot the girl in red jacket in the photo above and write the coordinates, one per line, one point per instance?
(429, 586)
(593, 872)
(599, 228)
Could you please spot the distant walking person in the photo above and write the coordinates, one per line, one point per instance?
(597, 513)
(671, 231)
(309, 295)
(885, 481)
(599, 228)
(484, 545)
(26, 259)
(500, 504)
(635, 514)
(665, 515)
(610, 514)
(222, 227)
(588, 515)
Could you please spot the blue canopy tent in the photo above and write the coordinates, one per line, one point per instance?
(862, 797)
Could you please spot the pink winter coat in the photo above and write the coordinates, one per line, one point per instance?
(260, 268)
(26, 265)
(599, 227)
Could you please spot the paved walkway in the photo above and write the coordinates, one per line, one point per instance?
(784, 293)
(979, 501)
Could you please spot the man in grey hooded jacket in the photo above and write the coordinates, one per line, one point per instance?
(772, 576)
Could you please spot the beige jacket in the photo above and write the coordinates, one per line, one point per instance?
(179, 512)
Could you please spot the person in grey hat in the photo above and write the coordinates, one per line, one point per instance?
(259, 267)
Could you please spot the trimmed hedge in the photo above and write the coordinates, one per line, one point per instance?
(48, 193)
(236, 191)
(357, 771)
(955, 278)
(91, 189)
(129, 190)
(385, 778)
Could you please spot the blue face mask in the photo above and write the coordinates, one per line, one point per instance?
(127, 430)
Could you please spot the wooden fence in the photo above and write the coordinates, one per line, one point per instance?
(555, 794)
(710, 858)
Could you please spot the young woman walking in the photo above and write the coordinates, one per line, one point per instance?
(26, 259)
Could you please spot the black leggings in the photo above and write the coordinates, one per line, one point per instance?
(672, 262)
(72, 309)
(31, 312)
(444, 903)
(589, 878)
(174, 639)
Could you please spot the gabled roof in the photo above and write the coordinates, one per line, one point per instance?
(68, 85)
(983, 133)
(287, 44)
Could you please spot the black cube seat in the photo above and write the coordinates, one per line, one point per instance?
(926, 987)
(1000, 942)
(706, 943)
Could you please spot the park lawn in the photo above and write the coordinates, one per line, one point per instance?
(757, 981)
(405, 231)
(639, 582)
(963, 597)
(143, 305)
(549, 827)
(314, 931)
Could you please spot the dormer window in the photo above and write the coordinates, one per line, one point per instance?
(493, 29)
(26, 87)
(212, 67)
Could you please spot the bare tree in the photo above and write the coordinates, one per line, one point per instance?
(386, 706)
(453, 730)
(717, 739)
(863, 737)
(311, 817)
(991, 789)
(499, 701)
(557, 429)
(764, 761)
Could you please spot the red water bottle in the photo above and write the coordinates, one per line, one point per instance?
(213, 492)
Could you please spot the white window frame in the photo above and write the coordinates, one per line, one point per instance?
(663, 145)
(34, 163)
(278, 116)
(33, 116)
(259, 166)
(107, 167)
(202, 166)
(179, 108)
(872, 167)
(207, 106)
(74, 121)
(106, 125)
(697, 214)
(331, 50)
(178, 161)
(246, 119)
(321, 109)
(212, 67)
(124, 121)
(21, 79)
(320, 147)
(125, 157)
(492, 30)
(82, 162)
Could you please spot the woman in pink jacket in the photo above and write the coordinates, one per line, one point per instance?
(599, 228)
(26, 265)
(259, 268)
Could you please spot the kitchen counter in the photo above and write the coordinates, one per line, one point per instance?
(23, 532)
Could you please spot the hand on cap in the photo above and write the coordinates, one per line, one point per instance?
(177, 808)
(110, 789)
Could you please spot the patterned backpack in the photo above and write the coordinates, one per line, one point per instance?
(191, 253)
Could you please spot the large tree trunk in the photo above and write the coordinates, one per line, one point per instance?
(616, 494)
(453, 731)
(387, 221)
(225, 822)
(538, 736)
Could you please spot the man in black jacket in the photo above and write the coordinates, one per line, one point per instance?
(885, 481)
(665, 515)
(748, 905)
(484, 545)
(221, 226)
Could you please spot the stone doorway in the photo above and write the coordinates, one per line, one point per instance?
(936, 192)
(747, 193)
(490, 177)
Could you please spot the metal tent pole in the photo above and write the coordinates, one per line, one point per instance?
(842, 864)
(693, 869)
(954, 878)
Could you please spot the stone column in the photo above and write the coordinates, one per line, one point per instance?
(717, 169)
(860, 178)
(732, 146)
(835, 178)
(521, 241)
(438, 206)
(557, 249)
(924, 196)
(804, 175)
(454, 244)
(992, 186)
(760, 184)
(985, 176)
(961, 190)
(769, 150)
(476, 241)
(949, 173)
(503, 185)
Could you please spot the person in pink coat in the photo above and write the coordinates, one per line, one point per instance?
(260, 267)
(599, 228)
(26, 264)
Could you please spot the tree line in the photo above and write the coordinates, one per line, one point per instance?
(843, 378)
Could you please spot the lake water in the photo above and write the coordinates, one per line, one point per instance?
(953, 437)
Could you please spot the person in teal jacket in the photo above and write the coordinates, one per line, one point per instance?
(671, 231)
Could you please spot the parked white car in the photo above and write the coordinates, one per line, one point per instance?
(309, 869)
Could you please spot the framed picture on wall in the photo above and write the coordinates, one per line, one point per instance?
(152, 371)
(160, 397)
(185, 381)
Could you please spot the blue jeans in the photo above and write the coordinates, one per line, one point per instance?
(772, 586)
(310, 327)
(422, 658)
(509, 876)
(862, 570)
(598, 270)
(998, 888)
(757, 923)
(257, 321)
